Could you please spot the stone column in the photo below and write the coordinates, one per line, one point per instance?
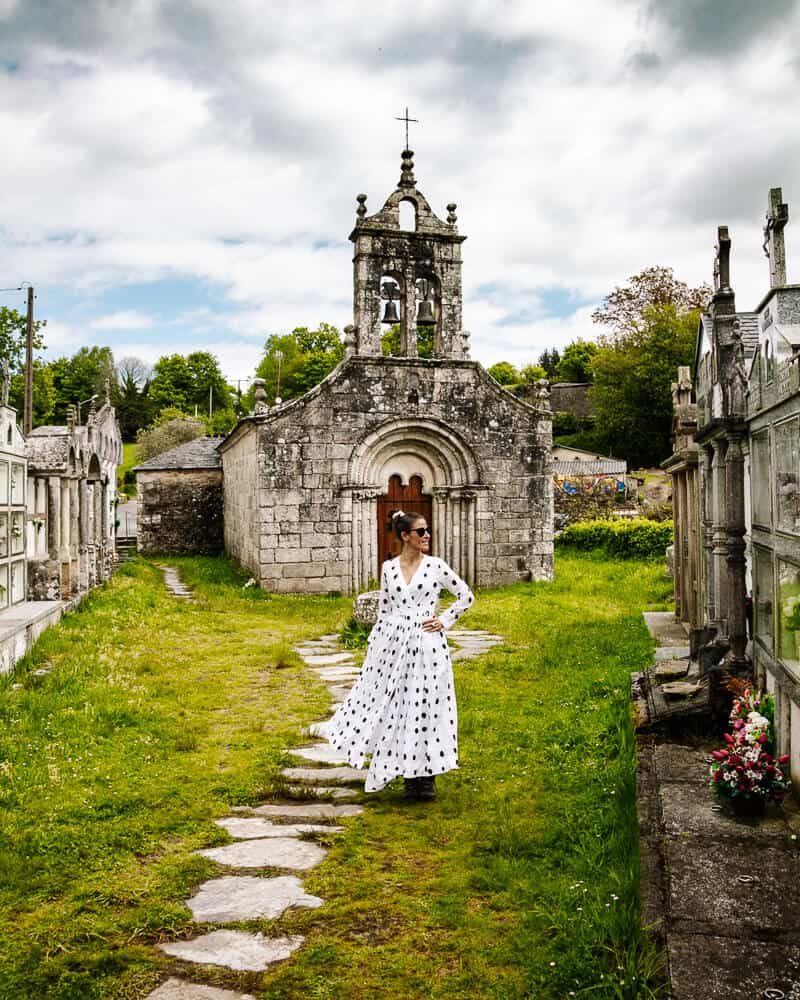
(470, 520)
(408, 321)
(735, 546)
(707, 551)
(719, 539)
(83, 534)
(677, 545)
(97, 531)
(54, 518)
(694, 566)
(66, 521)
(440, 520)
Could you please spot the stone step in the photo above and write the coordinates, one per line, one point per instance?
(312, 775)
(234, 950)
(267, 852)
(671, 670)
(680, 689)
(329, 659)
(320, 753)
(305, 810)
(179, 989)
(253, 828)
(245, 897)
(671, 653)
(321, 792)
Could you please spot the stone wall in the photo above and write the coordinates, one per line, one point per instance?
(180, 511)
(242, 523)
(324, 458)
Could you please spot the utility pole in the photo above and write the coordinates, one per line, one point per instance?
(27, 419)
(210, 400)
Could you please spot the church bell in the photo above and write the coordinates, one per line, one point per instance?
(425, 312)
(390, 313)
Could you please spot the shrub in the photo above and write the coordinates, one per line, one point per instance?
(637, 538)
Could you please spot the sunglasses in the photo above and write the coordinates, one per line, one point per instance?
(422, 532)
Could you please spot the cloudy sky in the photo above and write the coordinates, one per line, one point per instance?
(181, 174)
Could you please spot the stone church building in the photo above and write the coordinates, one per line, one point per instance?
(308, 484)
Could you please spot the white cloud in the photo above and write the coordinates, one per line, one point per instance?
(124, 320)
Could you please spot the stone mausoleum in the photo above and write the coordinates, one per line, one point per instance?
(308, 485)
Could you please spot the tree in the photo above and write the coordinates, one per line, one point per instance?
(548, 360)
(13, 335)
(77, 379)
(295, 362)
(575, 364)
(44, 396)
(390, 341)
(627, 307)
(130, 397)
(633, 374)
(532, 373)
(189, 381)
(505, 373)
(176, 428)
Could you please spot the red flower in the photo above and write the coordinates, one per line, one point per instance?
(783, 759)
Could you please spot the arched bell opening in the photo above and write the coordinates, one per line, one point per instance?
(407, 215)
(409, 497)
(429, 311)
(391, 288)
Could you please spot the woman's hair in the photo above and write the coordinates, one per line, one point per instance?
(403, 521)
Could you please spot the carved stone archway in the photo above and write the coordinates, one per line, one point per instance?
(445, 463)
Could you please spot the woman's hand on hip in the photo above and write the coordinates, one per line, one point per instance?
(433, 624)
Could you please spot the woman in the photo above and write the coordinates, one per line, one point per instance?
(402, 710)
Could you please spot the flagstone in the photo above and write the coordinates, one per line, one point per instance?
(328, 659)
(322, 753)
(322, 791)
(234, 950)
(315, 774)
(244, 897)
(318, 729)
(252, 828)
(267, 852)
(179, 989)
(671, 652)
(304, 810)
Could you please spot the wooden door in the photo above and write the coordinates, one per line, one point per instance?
(398, 497)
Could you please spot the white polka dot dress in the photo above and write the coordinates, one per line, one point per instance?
(402, 709)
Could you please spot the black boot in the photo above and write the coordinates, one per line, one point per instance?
(427, 789)
(410, 789)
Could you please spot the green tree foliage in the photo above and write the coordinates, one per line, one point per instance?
(295, 362)
(390, 341)
(44, 395)
(505, 373)
(548, 360)
(13, 327)
(130, 397)
(575, 364)
(633, 374)
(189, 381)
(168, 431)
(78, 378)
(532, 373)
(628, 307)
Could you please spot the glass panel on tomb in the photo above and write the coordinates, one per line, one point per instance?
(3, 533)
(787, 467)
(18, 581)
(17, 483)
(760, 480)
(789, 614)
(3, 585)
(17, 532)
(3, 482)
(763, 598)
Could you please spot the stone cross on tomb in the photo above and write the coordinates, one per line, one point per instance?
(774, 247)
(6, 380)
(406, 119)
(722, 261)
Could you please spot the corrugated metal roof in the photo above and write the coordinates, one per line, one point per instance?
(198, 454)
(600, 467)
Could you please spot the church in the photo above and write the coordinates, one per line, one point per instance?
(307, 485)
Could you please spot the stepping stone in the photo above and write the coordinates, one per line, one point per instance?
(314, 774)
(671, 671)
(306, 810)
(318, 729)
(340, 676)
(321, 792)
(179, 989)
(679, 689)
(267, 852)
(329, 659)
(235, 950)
(340, 692)
(243, 897)
(671, 652)
(254, 827)
(331, 637)
(321, 753)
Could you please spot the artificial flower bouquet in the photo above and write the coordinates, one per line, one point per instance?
(746, 767)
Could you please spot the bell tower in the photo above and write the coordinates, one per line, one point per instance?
(405, 275)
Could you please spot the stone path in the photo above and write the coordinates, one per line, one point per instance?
(270, 836)
(175, 585)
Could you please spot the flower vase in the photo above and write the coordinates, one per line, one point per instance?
(748, 805)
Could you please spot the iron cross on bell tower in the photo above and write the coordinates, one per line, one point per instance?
(406, 119)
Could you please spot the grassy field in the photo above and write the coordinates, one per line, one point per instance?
(519, 882)
(129, 459)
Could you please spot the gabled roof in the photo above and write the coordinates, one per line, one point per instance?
(198, 454)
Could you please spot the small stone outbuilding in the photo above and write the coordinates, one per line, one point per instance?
(180, 500)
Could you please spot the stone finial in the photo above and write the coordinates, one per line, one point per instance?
(542, 394)
(774, 246)
(407, 169)
(737, 374)
(361, 211)
(260, 395)
(6, 380)
(106, 392)
(72, 416)
(722, 261)
(91, 419)
(350, 340)
(452, 218)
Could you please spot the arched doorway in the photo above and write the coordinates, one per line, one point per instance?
(398, 496)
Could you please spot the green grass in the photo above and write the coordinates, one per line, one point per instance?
(519, 882)
(130, 457)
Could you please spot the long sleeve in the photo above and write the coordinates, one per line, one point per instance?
(384, 602)
(464, 597)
